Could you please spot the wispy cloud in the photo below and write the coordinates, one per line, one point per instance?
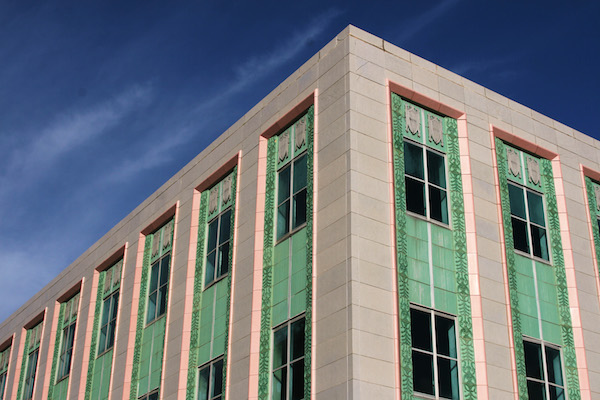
(73, 128)
(417, 24)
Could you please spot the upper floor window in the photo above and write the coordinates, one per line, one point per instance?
(34, 336)
(292, 175)
(159, 272)
(528, 221)
(68, 336)
(219, 238)
(4, 358)
(110, 306)
(434, 355)
(425, 177)
(543, 368)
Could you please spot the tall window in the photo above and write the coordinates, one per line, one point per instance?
(210, 381)
(434, 355)
(159, 272)
(528, 221)
(543, 367)
(68, 336)
(288, 361)
(425, 176)
(219, 241)
(291, 196)
(112, 280)
(150, 396)
(4, 357)
(33, 349)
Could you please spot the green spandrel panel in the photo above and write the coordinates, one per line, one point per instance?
(298, 303)
(279, 313)
(101, 377)
(418, 271)
(60, 389)
(419, 293)
(549, 312)
(530, 326)
(523, 265)
(445, 301)
(528, 305)
(545, 273)
(280, 291)
(298, 282)
(552, 333)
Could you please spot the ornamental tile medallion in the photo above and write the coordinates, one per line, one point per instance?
(284, 144)
(213, 200)
(514, 162)
(226, 190)
(300, 136)
(436, 134)
(413, 122)
(533, 170)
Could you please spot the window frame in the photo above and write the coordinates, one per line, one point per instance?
(433, 313)
(218, 265)
(64, 363)
(4, 364)
(427, 183)
(150, 396)
(164, 288)
(291, 164)
(529, 223)
(210, 365)
(287, 365)
(30, 374)
(543, 345)
(113, 310)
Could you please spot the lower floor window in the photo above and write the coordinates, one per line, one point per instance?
(150, 396)
(30, 375)
(210, 381)
(543, 368)
(288, 361)
(434, 354)
(2, 384)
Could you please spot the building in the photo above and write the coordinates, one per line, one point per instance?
(376, 228)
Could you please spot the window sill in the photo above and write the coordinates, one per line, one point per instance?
(215, 281)
(532, 257)
(104, 352)
(427, 219)
(62, 378)
(155, 320)
(290, 233)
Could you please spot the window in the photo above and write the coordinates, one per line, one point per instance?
(68, 337)
(425, 182)
(544, 371)
(288, 361)
(528, 221)
(159, 272)
(210, 381)
(33, 347)
(434, 355)
(219, 241)
(108, 322)
(291, 196)
(150, 396)
(4, 358)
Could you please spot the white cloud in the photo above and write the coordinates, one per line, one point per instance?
(421, 22)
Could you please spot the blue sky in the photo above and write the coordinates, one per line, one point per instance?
(101, 102)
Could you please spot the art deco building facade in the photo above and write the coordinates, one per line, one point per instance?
(376, 228)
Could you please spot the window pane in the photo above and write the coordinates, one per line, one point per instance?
(225, 227)
(115, 305)
(438, 204)
(223, 260)
(415, 196)
(300, 172)
(212, 235)
(436, 169)
(420, 330)
(553, 364)
(154, 277)
(217, 387)
(297, 345)
(299, 209)
(557, 393)
(539, 242)
(448, 378)
(210, 268)
(110, 337)
(162, 300)
(535, 203)
(283, 219)
(280, 347)
(517, 201)
(533, 360)
(445, 336)
(536, 390)
(203, 383)
(164, 270)
(413, 160)
(283, 188)
(105, 312)
(297, 380)
(520, 238)
(102, 340)
(279, 384)
(151, 307)
(422, 372)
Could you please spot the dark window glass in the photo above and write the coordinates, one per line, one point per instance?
(445, 337)
(554, 366)
(300, 173)
(30, 377)
(543, 379)
(299, 209)
(64, 365)
(423, 373)
(448, 378)
(539, 242)
(280, 347)
(415, 196)
(436, 169)
(520, 237)
(157, 291)
(557, 393)
(536, 390)
(533, 360)
(420, 324)
(284, 185)
(283, 216)
(438, 204)
(291, 196)
(2, 384)
(210, 381)
(297, 380)
(413, 160)
(535, 203)
(288, 361)
(517, 201)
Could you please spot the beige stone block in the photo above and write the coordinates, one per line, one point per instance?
(370, 229)
(332, 93)
(496, 355)
(369, 126)
(398, 65)
(423, 63)
(493, 290)
(372, 167)
(396, 51)
(381, 322)
(326, 392)
(370, 145)
(367, 390)
(376, 209)
(367, 51)
(333, 255)
(368, 88)
(369, 250)
(375, 371)
(331, 375)
(333, 150)
(500, 377)
(488, 256)
(425, 77)
(369, 107)
(363, 183)
(334, 74)
(451, 89)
